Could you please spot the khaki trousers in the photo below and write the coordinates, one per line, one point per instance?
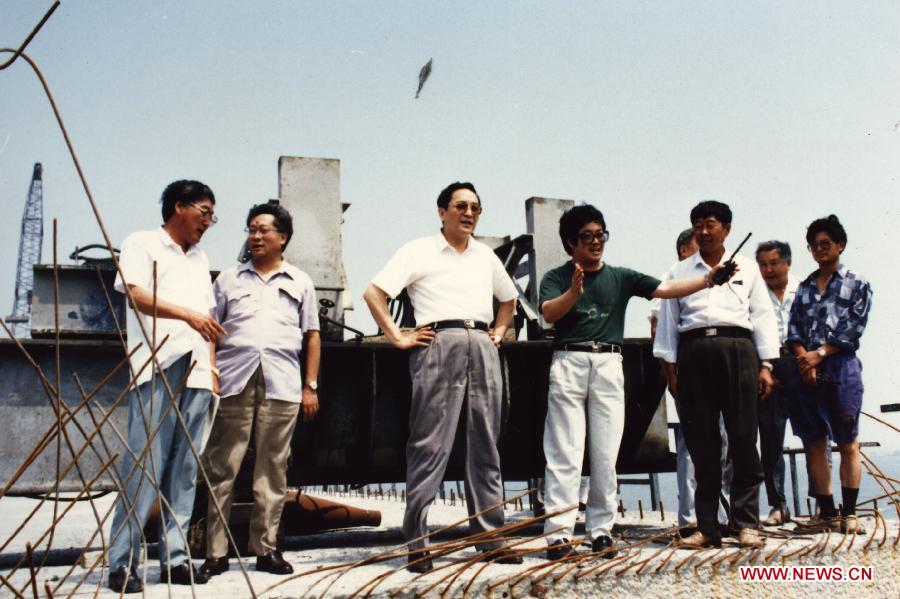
(272, 422)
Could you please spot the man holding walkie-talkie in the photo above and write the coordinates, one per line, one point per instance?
(717, 344)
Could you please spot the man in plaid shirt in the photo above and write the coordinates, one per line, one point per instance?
(825, 397)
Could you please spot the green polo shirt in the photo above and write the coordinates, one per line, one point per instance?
(599, 315)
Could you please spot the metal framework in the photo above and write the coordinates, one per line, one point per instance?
(31, 241)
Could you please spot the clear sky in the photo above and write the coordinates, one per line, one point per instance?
(786, 111)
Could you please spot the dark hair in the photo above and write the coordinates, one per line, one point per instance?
(284, 223)
(784, 249)
(684, 238)
(183, 192)
(831, 226)
(443, 200)
(573, 219)
(707, 208)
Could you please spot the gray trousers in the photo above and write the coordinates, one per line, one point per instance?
(458, 375)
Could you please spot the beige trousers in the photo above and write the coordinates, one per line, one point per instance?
(272, 422)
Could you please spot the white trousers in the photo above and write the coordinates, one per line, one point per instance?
(587, 397)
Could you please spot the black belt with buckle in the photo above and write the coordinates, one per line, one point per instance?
(457, 324)
(784, 352)
(707, 332)
(594, 348)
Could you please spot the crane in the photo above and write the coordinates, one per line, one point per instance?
(31, 241)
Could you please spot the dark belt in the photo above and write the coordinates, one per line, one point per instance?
(457, 324)
(594, 348)
(783, 352)
(707, 332)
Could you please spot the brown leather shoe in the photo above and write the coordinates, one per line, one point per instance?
(419, 562)
(213, 566)
(749, 537)
(272, 562)
(502, 556)
(700, 540)
(777, 517)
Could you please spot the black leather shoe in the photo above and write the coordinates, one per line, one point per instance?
(181, 574)
(123, 580)
(273, 563)
(606, 545)
(419, 562)
(502, 556)
(213, 566)
(559, 549)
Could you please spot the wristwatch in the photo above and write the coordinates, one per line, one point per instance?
(821, 352)
(314, 385)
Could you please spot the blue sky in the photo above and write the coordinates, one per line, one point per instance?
(786, 111)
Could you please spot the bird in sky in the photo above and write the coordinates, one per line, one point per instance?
(423, 76)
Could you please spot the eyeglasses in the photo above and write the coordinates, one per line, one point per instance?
(465, 206)
(251, 231)
(588, 237)
(206, 214)
(825, 244)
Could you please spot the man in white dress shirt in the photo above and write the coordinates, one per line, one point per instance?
(712, 343)
(452, 280)
(182, 303)
(774, 260)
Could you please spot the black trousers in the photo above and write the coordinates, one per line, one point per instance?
(772, 422)
(720, 375)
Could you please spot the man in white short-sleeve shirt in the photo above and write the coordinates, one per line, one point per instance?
(167, 275)
(452, 281)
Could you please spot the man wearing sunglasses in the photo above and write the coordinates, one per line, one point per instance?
(828, 318)
(269, 311)
(452, 281)
(717, 346)
(167, 277)
(585, 300)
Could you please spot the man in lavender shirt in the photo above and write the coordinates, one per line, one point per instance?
(268, 309)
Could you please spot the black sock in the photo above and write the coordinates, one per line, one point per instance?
(826, 506)
(849, 496)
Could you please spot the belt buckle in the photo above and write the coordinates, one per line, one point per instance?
(469, 323)
(595, 348)
(710, 332)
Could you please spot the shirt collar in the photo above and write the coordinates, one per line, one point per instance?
(248, 266)
(167, 240)
(442, 244)
(840, 272)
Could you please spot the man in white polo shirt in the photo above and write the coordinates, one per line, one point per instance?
(179, 293)
(452, 280)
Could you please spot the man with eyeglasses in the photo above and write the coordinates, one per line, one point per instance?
(452, 280)
(774, 260)
(585, 300)
(167, 277)
(268, 309)
(828, 318)
(717, 346)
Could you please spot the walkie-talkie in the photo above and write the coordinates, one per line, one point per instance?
(721, 277)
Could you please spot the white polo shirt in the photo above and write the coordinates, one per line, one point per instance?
(742, 302)
(444, 284)
(182, 278)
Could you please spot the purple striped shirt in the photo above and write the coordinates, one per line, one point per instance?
(265, 321)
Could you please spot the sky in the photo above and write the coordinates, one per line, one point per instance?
(785, 111)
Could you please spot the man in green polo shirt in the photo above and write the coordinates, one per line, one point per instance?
(585, 300)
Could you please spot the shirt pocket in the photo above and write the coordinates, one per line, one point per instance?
(242, 303)
(290, 302)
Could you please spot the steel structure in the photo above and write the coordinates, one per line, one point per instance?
(31, 241)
